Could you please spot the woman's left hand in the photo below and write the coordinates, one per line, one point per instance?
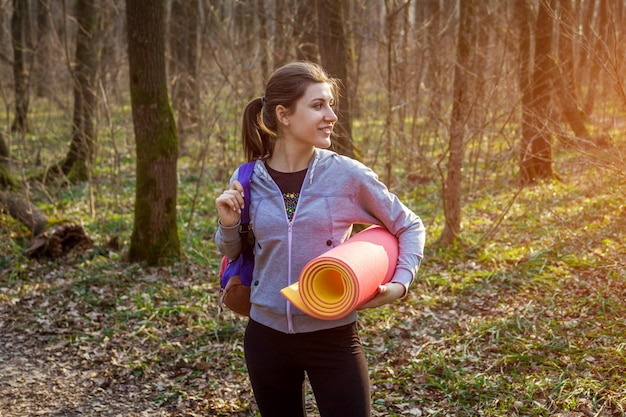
(386, 293)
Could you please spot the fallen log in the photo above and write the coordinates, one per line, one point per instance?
(49, 241)
(20, 208)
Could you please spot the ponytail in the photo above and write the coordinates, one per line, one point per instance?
(256, 139)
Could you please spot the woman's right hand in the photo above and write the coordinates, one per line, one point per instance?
(229, 205)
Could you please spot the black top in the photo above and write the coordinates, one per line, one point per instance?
(289, 184)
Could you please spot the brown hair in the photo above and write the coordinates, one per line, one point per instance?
(285, 87)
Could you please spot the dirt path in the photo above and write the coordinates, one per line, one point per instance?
(39, 378)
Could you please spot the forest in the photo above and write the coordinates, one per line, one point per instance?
(500, 123)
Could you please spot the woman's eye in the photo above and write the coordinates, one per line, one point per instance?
(318, 106)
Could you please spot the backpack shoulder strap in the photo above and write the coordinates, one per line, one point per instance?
(243, 175)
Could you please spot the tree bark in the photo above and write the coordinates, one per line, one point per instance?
(155, 233)
(390, 16)
(4, 30)
(21, 59)
(77, 162)
(41, 61)
(183, 36)
(336, 56)
(452, 186)
(595, 56)
(564, 83)
(536, 149)
(305, 32)
(280, 49)
(263, 39)
(524, 19)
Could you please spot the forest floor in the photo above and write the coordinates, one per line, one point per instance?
(38, 377)
(42, 373)
(543, 336)
(526, 319)
(60, 356)
(74, 342)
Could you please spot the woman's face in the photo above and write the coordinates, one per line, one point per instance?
(312, 119)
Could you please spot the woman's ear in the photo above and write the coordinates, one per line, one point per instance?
(282, 115)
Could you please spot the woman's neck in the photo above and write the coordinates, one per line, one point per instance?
(288, 159)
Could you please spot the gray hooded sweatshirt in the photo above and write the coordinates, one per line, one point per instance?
(337, 192)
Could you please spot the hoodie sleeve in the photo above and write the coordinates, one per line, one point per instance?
(377, 205)
(227, 238)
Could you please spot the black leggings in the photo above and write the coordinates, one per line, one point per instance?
(332, 359)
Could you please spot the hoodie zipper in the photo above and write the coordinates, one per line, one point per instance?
(289, 234)
(290, 328)
(309, 176)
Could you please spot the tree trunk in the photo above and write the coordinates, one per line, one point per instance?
(524, 19)
(305, 32)
(263, 39)
(393, 13)
(40, 76)
(564, 83)
(536, 149)
(452, 186)
(155, 233)
(280, 51)
(573, 114)
(387, 136)
(337, 57)
(77, 162)
(21, 58)
(4, 31)
(183, 36)
(595, 55)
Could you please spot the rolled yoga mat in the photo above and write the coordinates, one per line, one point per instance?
(337, 282)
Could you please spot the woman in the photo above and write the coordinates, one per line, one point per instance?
(304, 201)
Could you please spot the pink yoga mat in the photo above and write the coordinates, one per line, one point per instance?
(339, 281)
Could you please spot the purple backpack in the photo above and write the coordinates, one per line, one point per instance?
(236, 275)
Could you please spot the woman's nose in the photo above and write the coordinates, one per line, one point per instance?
(330, 115)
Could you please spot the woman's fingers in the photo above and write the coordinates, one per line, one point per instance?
(230, 203)
(386, 294)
